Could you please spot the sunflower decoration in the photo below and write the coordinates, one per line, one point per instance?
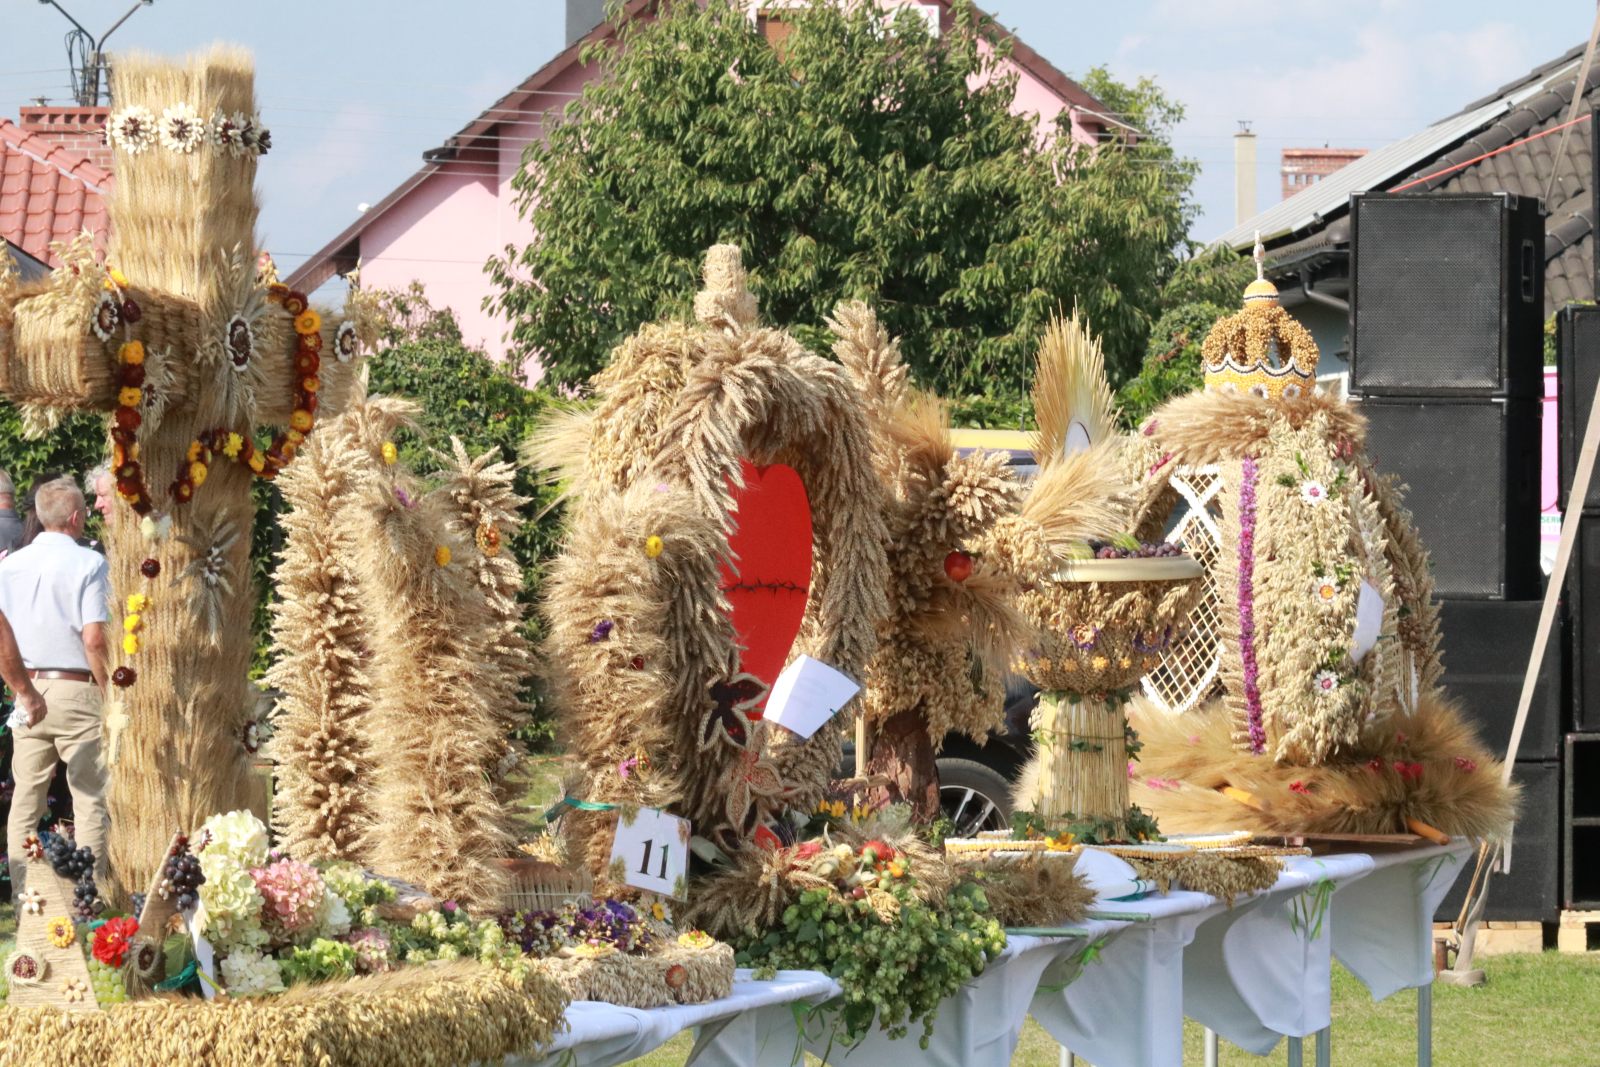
(210, 571)
(233, 340)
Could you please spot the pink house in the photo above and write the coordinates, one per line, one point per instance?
(443, 224)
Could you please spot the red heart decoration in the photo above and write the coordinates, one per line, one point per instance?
(768, 578)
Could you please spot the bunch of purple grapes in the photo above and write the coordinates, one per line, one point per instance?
(180, 875)
(77, 863)
(1145, 550)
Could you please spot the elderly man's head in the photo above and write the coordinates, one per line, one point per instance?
(100, 483)
(60, 507)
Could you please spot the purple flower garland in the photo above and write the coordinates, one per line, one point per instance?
(1247, 617)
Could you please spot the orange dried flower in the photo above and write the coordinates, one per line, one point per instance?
(307, 322)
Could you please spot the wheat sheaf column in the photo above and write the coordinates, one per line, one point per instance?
(218, 356)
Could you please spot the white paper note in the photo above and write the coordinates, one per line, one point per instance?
(204, 957)
(807, 694)
(654, 849)
(1369, 620)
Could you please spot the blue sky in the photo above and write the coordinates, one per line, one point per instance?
(354, 91)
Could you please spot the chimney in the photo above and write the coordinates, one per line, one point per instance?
(583, 16)
(1244, 174)
(80, 130)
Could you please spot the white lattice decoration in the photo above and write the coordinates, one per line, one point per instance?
(1188, 670)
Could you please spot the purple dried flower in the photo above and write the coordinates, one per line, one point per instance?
(602, 631)
(449, 907)
(404, 497)
(1247, 621)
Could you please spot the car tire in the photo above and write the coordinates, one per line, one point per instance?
(974, 797)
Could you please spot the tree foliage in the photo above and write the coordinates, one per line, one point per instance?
(862, 158)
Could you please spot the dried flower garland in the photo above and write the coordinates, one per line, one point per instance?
(182, 130)
(112, 314)
(1247, 623)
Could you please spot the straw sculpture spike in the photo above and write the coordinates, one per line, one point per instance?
(217, 355)
(415, 735)
(1072, 402)
(321, 744)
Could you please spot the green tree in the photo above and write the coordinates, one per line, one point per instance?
(863, 158)
(75, 446)
(1202, 289)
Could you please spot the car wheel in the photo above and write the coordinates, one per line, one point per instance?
(973, 797)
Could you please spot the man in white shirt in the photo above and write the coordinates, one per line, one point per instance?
(55, 593)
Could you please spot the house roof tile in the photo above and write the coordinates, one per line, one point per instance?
(48, 193)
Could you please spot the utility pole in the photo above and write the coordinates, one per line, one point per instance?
(86, 56)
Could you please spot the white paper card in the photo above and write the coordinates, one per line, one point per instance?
(1369, 620)
(653, 848)
(204, 957)
(807, 694)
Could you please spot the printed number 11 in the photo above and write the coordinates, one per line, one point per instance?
(644, 868)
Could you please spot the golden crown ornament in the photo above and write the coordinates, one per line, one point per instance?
(1260, 350)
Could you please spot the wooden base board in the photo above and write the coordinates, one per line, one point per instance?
(1500, 938)
(1573, 933)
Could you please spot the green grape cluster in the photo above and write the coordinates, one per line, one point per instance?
(108, 983)
(895, 971)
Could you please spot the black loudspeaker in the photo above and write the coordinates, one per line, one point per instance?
(1583, 627)
(1446, 295)
(1530, 891)
(1580, 846)
(1473, 471)
(1486, 645)
(1577, 369)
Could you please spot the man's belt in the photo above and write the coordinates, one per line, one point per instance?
(48, 674)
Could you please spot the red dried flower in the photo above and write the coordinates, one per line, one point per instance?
(112, 940)
(1299, 787)
(150, 568)
(131, 310)
(123, 677)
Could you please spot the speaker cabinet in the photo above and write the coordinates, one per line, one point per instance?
(1577, 370)
(1486, 645)
(1530, 891)
(1446, 295)
(1473, 471)
(1580, 867)
(1583, 626)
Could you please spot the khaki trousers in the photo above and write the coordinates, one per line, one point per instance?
(70, 731)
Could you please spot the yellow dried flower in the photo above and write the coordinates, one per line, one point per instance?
(441, 555)
(197, 474)
(62, 935)
(391, 455)
(132, 623)
(131, 352)
(653, 546)
(130, 396)
(130, 644)
(137, 602)
(233, 445)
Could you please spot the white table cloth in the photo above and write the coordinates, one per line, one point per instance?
(1115, 992)
(1263, 971)
(602, 1035)
(1383, 924)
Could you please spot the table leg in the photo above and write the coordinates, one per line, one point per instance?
(1325, 1047)
(1297, 1056)
(1211, 1047)
(1425, 1025)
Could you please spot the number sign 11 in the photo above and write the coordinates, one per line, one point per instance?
(653, 849)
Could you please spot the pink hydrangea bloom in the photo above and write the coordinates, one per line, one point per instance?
(292, 892)
(372, 950)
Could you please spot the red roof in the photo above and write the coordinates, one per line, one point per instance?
(48, 193)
